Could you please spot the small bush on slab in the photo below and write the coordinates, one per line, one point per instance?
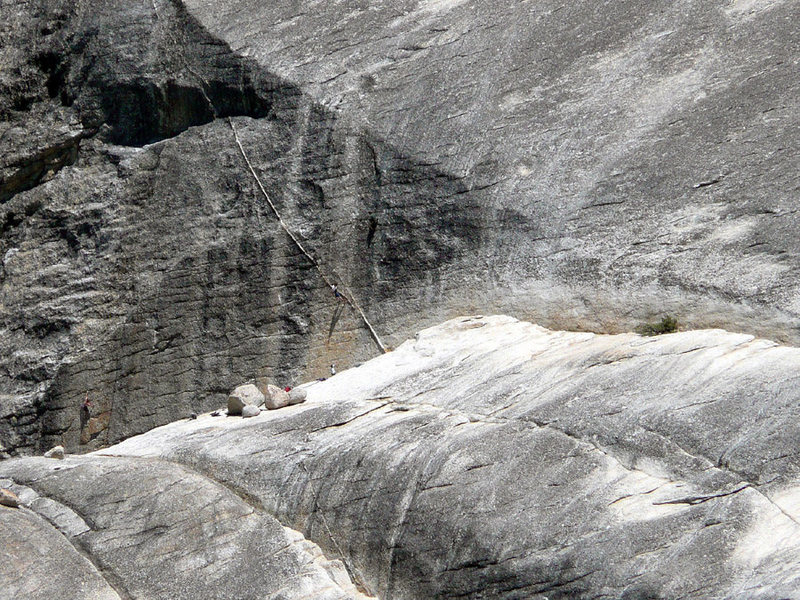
(667, 324)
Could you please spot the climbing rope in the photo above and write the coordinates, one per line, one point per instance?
(349, 298)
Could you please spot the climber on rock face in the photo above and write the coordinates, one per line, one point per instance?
(333, 369)
(336, 292)
(85, 414)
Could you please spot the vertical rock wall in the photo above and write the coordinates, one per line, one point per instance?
(153, 276)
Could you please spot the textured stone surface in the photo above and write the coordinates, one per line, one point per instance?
(151, 529)
(275, 397)
(40, 564)
(634, 157)
(128, 274)
(584, 166)
(242, 396)
(297, 395)
(8, 498)
(55, 452)
(248, 410)
(490, 458)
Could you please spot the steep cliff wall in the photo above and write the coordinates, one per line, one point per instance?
(153, 275)
(585, 166)
(648, 150)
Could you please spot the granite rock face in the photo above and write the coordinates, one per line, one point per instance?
(133, 528)
(56, 452)
(491, 458)
(40, 563)
(585, 166)
(129, 274)
(631, 158)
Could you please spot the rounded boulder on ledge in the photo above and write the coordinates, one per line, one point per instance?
(275, 397)
(8, 498)
(55, 452)
(297, 396)
(244, 395)
(250, 411)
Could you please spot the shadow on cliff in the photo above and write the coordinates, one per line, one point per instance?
(221, 309)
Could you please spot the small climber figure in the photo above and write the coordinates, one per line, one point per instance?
(336, 293)
(85, 414)
(85, 407)
(333, 369)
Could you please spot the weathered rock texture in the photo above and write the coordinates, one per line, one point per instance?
(586, 165)
(297, 396)
(275, 397)
(629, 157)
(248, 410)
(490, 458)
(56, 452)
(39, 563)
(133, 528)
(244, 395)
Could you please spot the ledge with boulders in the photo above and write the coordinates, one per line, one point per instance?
(247, 399)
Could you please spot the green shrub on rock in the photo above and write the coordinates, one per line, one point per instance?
(667, 324)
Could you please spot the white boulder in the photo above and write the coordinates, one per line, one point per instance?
(244, 395)
(276, 397)
(55, 452)
(297, 396)
(250, 411)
